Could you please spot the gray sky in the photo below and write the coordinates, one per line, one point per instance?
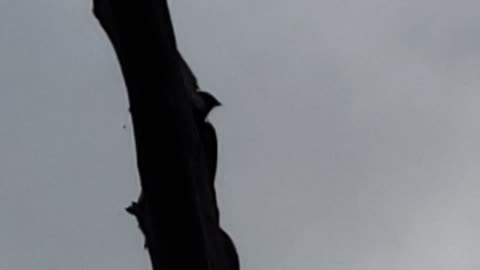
(349, 138)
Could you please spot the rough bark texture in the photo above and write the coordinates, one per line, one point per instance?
(176, 146)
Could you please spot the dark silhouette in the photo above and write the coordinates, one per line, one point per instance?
(210, 148)
(176, 145)
(203, 104)
(189, 80)
(140, 211)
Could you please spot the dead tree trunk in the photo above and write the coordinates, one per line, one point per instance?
(176, 147)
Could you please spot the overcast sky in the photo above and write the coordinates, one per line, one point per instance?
(349, 136)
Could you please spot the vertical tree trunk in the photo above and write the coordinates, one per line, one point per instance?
(177, 195)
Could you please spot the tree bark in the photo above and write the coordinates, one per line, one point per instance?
(177, 208)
